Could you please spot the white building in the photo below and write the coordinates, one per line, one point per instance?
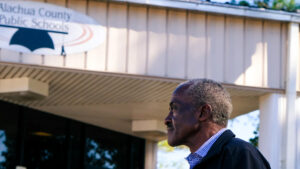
(147, 47)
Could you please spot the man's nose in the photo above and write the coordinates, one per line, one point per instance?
(168, 118)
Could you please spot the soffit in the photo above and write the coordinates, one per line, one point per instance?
(73, 87)
(112, 100)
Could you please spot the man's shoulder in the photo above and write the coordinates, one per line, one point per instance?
(229, 152)
(235, 145)
(228, 144)
(239, 143)
(230, 141)
(241, 150)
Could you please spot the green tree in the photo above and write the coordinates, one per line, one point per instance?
(254, 140)
(244, 3)
(163, 145)
(286, 5)
(262, 3)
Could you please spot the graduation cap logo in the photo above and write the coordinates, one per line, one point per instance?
(32, 39)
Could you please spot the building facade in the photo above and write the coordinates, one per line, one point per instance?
(144, 49)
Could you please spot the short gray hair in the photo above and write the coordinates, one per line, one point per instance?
(206, 91)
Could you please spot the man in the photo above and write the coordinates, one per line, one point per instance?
(199, 112)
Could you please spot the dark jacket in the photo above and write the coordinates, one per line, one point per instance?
(229, 152)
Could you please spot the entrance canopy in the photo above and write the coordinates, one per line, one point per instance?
(132, 104)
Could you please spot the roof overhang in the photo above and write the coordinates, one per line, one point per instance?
(221, 8)
(120, 102)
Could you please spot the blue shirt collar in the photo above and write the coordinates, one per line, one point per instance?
(196, 157)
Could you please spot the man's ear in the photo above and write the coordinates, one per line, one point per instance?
(204, 112)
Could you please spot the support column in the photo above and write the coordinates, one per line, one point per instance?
(291, 83)
(150, 154)
(272, 110)
(298, 133)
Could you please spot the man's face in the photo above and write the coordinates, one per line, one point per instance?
(181, 121)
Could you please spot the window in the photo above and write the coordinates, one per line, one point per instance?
(45, 140)
(8, 135)
(39, 140)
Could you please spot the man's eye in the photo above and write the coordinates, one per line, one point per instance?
(174, 108)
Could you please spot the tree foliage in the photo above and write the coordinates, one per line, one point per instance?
(262, 3)
(285, 5)
(254, 140)
(163, 145)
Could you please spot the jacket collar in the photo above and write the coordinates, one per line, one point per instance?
(217, 146)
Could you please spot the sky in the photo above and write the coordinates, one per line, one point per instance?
(244, 125)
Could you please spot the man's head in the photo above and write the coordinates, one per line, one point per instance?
(195, 105)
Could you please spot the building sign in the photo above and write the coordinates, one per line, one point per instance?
(41, 28)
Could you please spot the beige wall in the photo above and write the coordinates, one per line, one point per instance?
(178, 44)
